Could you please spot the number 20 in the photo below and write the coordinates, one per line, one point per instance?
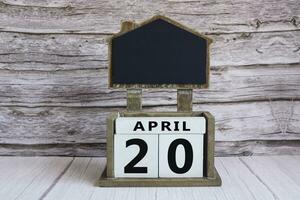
(143, 148)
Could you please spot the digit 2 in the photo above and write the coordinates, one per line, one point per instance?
(130, 167)
(188, 156)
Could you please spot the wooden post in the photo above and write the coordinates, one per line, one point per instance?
(134, 96)
(185, 100)
(134, 99)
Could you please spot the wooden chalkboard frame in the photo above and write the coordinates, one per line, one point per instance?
(132, 26)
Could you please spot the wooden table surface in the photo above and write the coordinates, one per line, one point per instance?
(273, 177)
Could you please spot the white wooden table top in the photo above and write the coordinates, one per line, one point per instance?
(276, 177)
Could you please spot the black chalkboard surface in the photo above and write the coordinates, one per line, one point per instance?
(158, 54)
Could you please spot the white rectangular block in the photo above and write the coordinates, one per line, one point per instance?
(160, 125)
(136, 156)
(181, 155)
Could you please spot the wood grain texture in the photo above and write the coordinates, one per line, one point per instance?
(250, 178)
(277, 178)
(54, 52)
(28, 178)
(223, 148)
(78, 16)
(274, 120)
(53, 73)
(61, 149)
(79, 180)
(237, 121)
(241, 180)
(89, 87)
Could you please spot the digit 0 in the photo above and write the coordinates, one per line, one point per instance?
(188, 156)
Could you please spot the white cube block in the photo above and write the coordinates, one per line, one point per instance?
(136, 156)
(160, 125)
(181, 155)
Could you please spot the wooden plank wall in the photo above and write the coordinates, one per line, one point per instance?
(54, 96)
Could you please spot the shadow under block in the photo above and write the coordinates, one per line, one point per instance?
(210, 174)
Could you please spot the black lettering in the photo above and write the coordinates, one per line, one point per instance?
(139, 125)
(130, 167)
(176, 125)
(152, 124)
(188, 156)
(165, 125)
(184, 127)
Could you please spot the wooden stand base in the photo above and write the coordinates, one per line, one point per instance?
(158, 182)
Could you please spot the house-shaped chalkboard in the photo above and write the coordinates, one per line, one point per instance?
(159, 53)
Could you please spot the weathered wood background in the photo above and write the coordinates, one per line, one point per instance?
(54, 96)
